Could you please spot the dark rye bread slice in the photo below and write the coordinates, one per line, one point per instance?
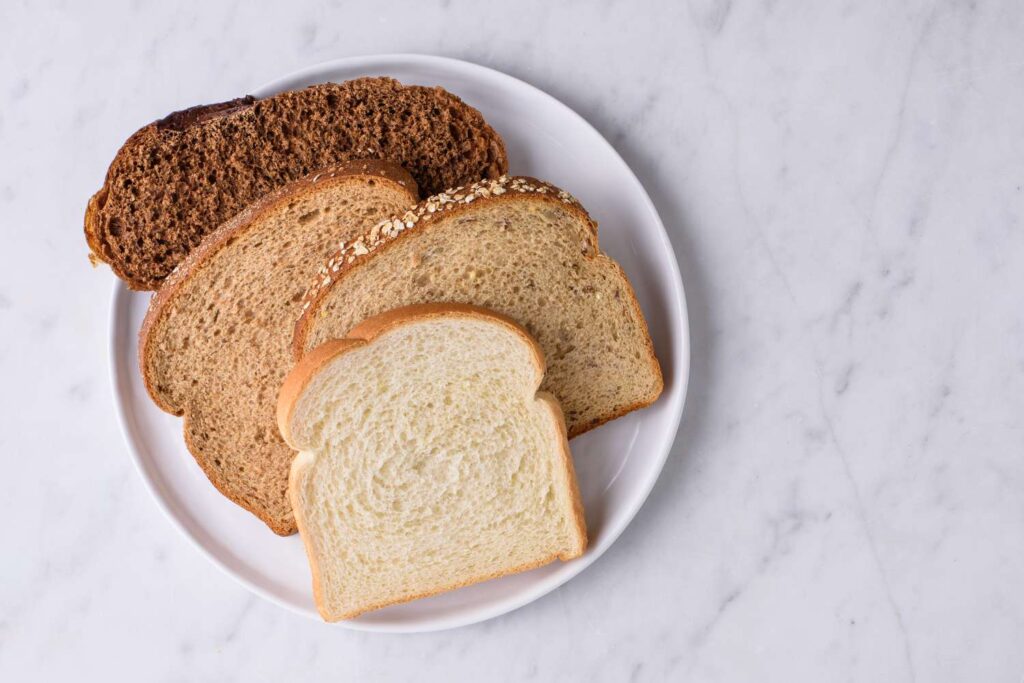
(520, 247)
(216, 342)
(177, 178)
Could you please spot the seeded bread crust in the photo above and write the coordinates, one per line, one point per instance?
(362, 334)
(424, 216)
(387, 232)
(177, 178)
(161, 302)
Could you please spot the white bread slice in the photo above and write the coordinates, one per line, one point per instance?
(215, 344)
(429, 460)
(523, 248)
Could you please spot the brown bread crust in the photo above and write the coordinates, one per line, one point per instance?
(178, 178)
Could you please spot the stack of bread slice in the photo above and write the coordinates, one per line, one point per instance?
(523, 248)
(216, 341)
(177, 179)
(438, 352)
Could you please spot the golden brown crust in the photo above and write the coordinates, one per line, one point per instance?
(296, 473)
(348, 259)
(569, 469)
(92, 239)
(160, 304)
(301, 374)
(455, 585)
(363, 334)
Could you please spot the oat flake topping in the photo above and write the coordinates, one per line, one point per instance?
(391, 227)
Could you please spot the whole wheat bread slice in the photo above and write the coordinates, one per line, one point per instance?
(175, 179)
(518, 246)
(428, 458)
(215, 343)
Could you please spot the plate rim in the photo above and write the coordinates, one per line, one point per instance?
(680, 348)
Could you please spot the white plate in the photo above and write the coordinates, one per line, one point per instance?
(617, 464)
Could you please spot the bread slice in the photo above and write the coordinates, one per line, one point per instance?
(175, 179)
(215, 343)
(429, 460)
(525, 249)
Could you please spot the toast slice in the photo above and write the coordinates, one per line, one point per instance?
(525, 249)
(176, 179)
(215, 343)
(428, 458)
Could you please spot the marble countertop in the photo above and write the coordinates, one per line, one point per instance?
(844, 188)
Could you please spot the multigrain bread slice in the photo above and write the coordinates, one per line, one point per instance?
(428, 458)
(176, 178)
(518, 246)
(215, 343)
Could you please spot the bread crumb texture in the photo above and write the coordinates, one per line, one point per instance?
(429, 464)
(518, 246)
(176, 179)
(219, 340)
